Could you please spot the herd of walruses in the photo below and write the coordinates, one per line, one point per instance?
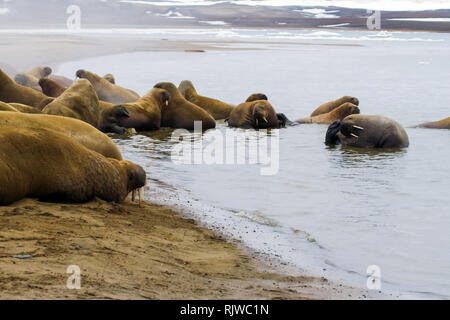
(53, 130)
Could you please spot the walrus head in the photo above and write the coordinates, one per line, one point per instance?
(137, 178)
(21, 79)
(46, 71)
(332, 137)
(256, 96)
(110, 78)
(112, 119)
(261, 114)
(186, 88)
(353, 100)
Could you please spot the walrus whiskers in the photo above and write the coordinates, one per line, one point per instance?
(356, 127)
(354, 135)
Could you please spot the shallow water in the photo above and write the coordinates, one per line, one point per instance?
(335, 210)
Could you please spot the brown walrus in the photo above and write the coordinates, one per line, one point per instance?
(329, 106)
(145, 114)
(7, 107)
(363, 131)
(109, 114)
(84, 133)
(336, 114)
(11, 91)
(61, 80)
(217, 109)
(110, 78)
(79, 101)
(107, 91)
(31, 77)
(180, 113)
(258, 114)
(24, 108)
(45, 164)
(441, 124)
(256, 96)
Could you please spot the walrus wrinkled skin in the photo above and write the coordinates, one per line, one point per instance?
(31, 77)
(44, 164)
(329, 106)
(79, 101)
(256, 96)
(145, 114)
(180, 113)
(441, 124)
(11, 91)
(336, 114)
(109, 114)
(107, 91)
(84, 133)
(363, 131)
(258, 114)
(217, 109)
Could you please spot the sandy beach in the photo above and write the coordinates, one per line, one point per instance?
(129, 251)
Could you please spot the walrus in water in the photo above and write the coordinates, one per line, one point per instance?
(180, 113)
(31, 77)
(442, 124)
(109, 114)
(44, 164)
(258, 114)
(217, 109)
(11, 91)
(363, 131)
(84, 133)
(329, 106)
(145, 114)
(79, 101)
(107, 91)
(336, 114)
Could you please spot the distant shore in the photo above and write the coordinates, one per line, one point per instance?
(129, 251)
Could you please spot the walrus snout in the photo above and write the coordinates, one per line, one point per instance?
(20, 79)
(137, 178)
(331, 137)
(46, 71)
(80, 73)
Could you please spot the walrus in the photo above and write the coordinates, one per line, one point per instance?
(24, 108)
(11, 91)
(84, 133)
(109, 114)
(107, 91)
(217, 109)
(364, 131)
(110, 78)
(180, 113)
(31, 77)
(258, 114)
(336, 114)
(329, 106)
(441, 124)
(145, 114)
(256, 96)
(79, 101)
(47, 165)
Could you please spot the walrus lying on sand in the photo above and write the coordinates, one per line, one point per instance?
(145, 114)
(79, 101)
(363, 131)
(84, 133)
(107, 91)
(217, 109)
(109, 114)
(258, 114)
(180, 113)
(442, 124)
(329, 106)
(44, 164)
(31, 77)
(11, 91)
(336, 114)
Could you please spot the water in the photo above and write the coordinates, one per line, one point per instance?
(331, 210)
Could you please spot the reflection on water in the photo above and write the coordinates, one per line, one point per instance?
(350, 207)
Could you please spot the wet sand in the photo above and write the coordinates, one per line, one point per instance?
(129, 251)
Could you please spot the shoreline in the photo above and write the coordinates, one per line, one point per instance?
(94, 233)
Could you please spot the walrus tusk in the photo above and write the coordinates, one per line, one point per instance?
(356, 127)
(139, 196)
(167, 103)
(256, 122)
(133, 195)
(354, 135)
(265, 119)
